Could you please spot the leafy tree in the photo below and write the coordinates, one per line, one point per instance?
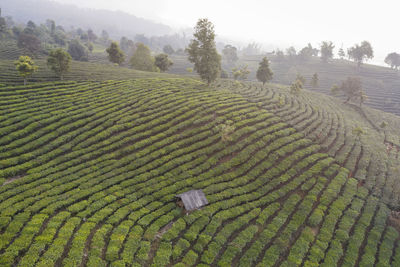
(383, 124)
(341, 53)
(3, 23)
(360, 53)
(31, 28)
(59, 61)
(229, 53)
(104, 37)
(203, 53)
(393, 60)
(115, 55)
(90, 46)
(25, 67)
(29, 42)
(315, 80)
(141, 38)
(307, 52)
(126, 44)
(264, 73)
(91, 35)
(142, 59)
(357, 131)
(163, 62)
(77, 51)
(279, 55)
(301, 78)
(168, 49)
(240, 73)
(352, 88)
(296, 87)
(291, 53)
(326, 51)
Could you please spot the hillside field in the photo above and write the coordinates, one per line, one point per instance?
(90, 170)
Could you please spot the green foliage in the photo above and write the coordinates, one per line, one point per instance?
(115, 54)
(25, 67)
(240, 73)
(163, 62)
(314, 80)
(326, 51)
(361, 52)
(167, 49)
(59, 61)
(77, 50)
(229, 54)
(296, 87)
(142, 59)
(203, 53)
(264, 73)
(393, 60)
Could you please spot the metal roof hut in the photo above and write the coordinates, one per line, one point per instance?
(193, 199)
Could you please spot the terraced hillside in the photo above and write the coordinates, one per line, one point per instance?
(90, 171)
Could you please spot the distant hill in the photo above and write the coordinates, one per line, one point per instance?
(116, 23)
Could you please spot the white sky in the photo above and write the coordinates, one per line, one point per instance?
(279, 22)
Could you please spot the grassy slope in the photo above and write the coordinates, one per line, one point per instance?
(97, 165)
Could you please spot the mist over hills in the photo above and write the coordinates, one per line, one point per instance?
(117, 23)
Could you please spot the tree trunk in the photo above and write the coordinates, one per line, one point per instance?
(24, 81)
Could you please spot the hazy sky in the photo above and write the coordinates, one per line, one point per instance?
(278, 22)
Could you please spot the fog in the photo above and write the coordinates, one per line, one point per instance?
(276, 23)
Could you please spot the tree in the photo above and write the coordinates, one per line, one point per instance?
(360, 53)
(168, 49)
(142, 59)
(301, 78)
(307, 52)
(326, 51)
(357, 131)
(341, 53)
(29, 42)
(279, 55)
(126, 44)
(291, 53)
(104, 37)
(203, 53)
(163, 62)
(25, 67)
(296, 87)
(314, 80)
(229, 53)
(91, 35)
(393, 60)
(115, 55)
(352, 88)
(3, 23)
(240, 73)
(77, 51)
(59, 61)
(264, 73)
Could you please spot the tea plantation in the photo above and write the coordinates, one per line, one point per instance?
(90, 170)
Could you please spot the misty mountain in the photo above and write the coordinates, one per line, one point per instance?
(116, 23)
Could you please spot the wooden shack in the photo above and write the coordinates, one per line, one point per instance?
(192, 200)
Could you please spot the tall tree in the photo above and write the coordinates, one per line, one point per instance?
(168, 49)
(264, 73)
(29, 42)
(59, 61)
(352, 88)
(314, 80)
(326, 51)
(25, 67)
(291, 53)
(203, 53)
(307, 52)
(142, 59)
(229, 54)
(163, 62)
(361, 53)
(393, 60)
(115, 55)
(341, 53)
(77, 51)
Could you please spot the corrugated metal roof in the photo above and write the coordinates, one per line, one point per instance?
(193, 199)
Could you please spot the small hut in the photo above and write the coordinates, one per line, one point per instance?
(192, 200)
